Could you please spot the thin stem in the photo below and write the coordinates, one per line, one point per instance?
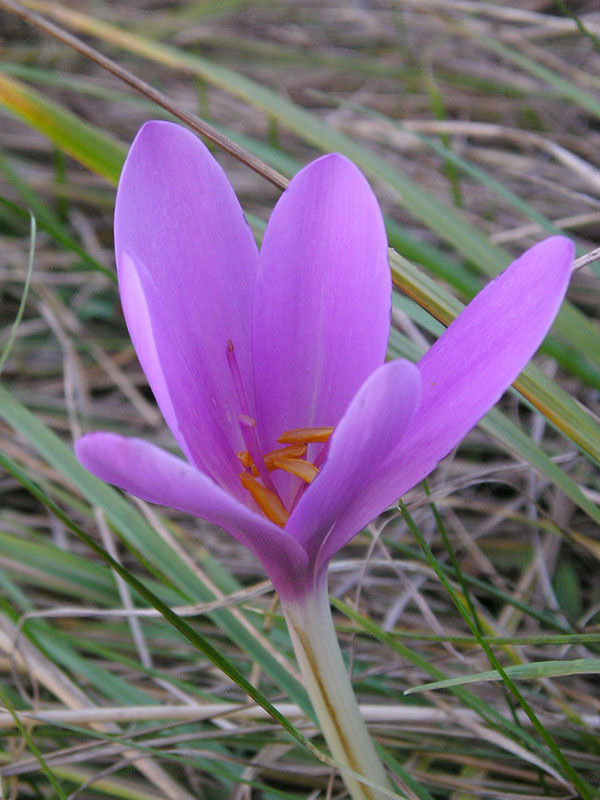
(327, 682)
(148, 91)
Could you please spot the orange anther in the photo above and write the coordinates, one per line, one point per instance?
(265, 499)
(245, 458)
(296, 466)
(292, 451)
(305, 435)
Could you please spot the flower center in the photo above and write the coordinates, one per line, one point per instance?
(290, 458)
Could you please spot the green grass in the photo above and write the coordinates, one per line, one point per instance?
(481, 590)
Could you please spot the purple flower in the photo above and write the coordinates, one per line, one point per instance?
(242, 349)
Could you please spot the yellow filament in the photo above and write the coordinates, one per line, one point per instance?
(305, 435)
(265, 499)
(296, 466)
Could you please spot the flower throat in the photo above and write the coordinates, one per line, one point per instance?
(256, 478)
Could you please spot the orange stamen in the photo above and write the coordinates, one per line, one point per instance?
(245, 458)
(265, 499)
(305, 435)
(292, 451)
(296, 466)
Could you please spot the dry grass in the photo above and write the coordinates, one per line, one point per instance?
(363, 68)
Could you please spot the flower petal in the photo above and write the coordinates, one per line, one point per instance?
(192, 423)
(466, 371)
(152, 474)
(322, 302)
(137, 314)
(374, 423)
(177, 219)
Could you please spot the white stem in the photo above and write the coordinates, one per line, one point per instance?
(328, 685)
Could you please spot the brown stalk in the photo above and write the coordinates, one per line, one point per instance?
(195, 123)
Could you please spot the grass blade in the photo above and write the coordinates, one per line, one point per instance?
(531, 671)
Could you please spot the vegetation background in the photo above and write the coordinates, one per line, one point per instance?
(478, 124)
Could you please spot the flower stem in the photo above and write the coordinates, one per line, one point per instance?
(328, 685)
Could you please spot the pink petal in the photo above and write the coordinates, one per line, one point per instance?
(177, 220)
(374, 423)
(184, 406)
(154, 475)
(467, 370)
(135, 307)
(322, 303)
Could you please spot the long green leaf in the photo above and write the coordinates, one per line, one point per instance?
(533, 671)
(97, 151)
(562, 86)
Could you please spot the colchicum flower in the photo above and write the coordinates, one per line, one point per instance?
(269, 369)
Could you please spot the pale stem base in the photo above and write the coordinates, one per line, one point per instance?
(328, 685)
